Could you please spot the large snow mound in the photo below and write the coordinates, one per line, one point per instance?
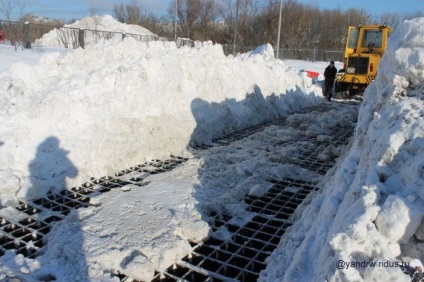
(68, 35)
(372, 209)
(108, 23)
(116, 104)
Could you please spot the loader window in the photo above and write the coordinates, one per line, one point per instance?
(353, 38)
(373, 38)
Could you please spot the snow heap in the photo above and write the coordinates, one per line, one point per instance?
(65, 37)
(116, 104)
(372, 209)
(108, 23)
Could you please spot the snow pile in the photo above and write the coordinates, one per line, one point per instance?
(96, 111)
(372, 210)
(68, 36)
(108, 23)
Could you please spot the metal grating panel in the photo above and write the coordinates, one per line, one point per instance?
(242, 257)
(27, 237)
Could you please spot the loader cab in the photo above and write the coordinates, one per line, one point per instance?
(365, 45)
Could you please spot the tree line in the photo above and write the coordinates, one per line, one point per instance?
(304, 26)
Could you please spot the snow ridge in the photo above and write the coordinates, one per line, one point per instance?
(371, 210)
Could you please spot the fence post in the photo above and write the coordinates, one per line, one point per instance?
(123, 36)
(27, 38)
(314, 55)
(81, 38)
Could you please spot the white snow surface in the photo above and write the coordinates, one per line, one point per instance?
(108, 23)
(93, 112)
(65, 37)
(113, 105)
(372, 209)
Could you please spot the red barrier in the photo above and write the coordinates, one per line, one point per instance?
(2, 36)
(312, 74)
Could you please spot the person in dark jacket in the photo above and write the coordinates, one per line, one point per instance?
(330, 75)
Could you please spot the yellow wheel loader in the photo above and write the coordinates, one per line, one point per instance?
(365, 45)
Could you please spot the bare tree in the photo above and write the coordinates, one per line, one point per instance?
(21, 6)
(120, 13)
(7, 7)
(391, 19)
(304, 26)
(207, 17)
(133, 12)
(93, 11)
(129, 13)
(188, 12)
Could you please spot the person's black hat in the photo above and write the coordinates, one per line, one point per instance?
(332, 62)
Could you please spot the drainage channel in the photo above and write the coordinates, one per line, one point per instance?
(24, 230)
(242, 256)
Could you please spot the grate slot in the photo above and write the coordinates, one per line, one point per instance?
(211, 265)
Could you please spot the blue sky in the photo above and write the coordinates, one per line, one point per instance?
(68, 9)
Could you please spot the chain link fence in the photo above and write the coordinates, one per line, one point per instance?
(29, 34)
(293, 54)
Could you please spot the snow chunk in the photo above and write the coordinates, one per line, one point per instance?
(266, 51)
(389, 273)
(138, 266)
(193, 231)
(260, 189)
(397, 220)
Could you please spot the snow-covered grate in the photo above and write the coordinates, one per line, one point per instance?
(309, 153)
(227, 139)
(238, 135)
(242, 257)
(26, 235)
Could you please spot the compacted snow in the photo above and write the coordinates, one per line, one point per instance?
(115, 104)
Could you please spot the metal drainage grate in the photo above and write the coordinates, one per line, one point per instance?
(227, 139)
(309, 153)
(238, 135)
(243, 256)
(27, 236)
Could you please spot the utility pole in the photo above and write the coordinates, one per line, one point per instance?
(279, 29)
(176, 18)
(235, 28)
